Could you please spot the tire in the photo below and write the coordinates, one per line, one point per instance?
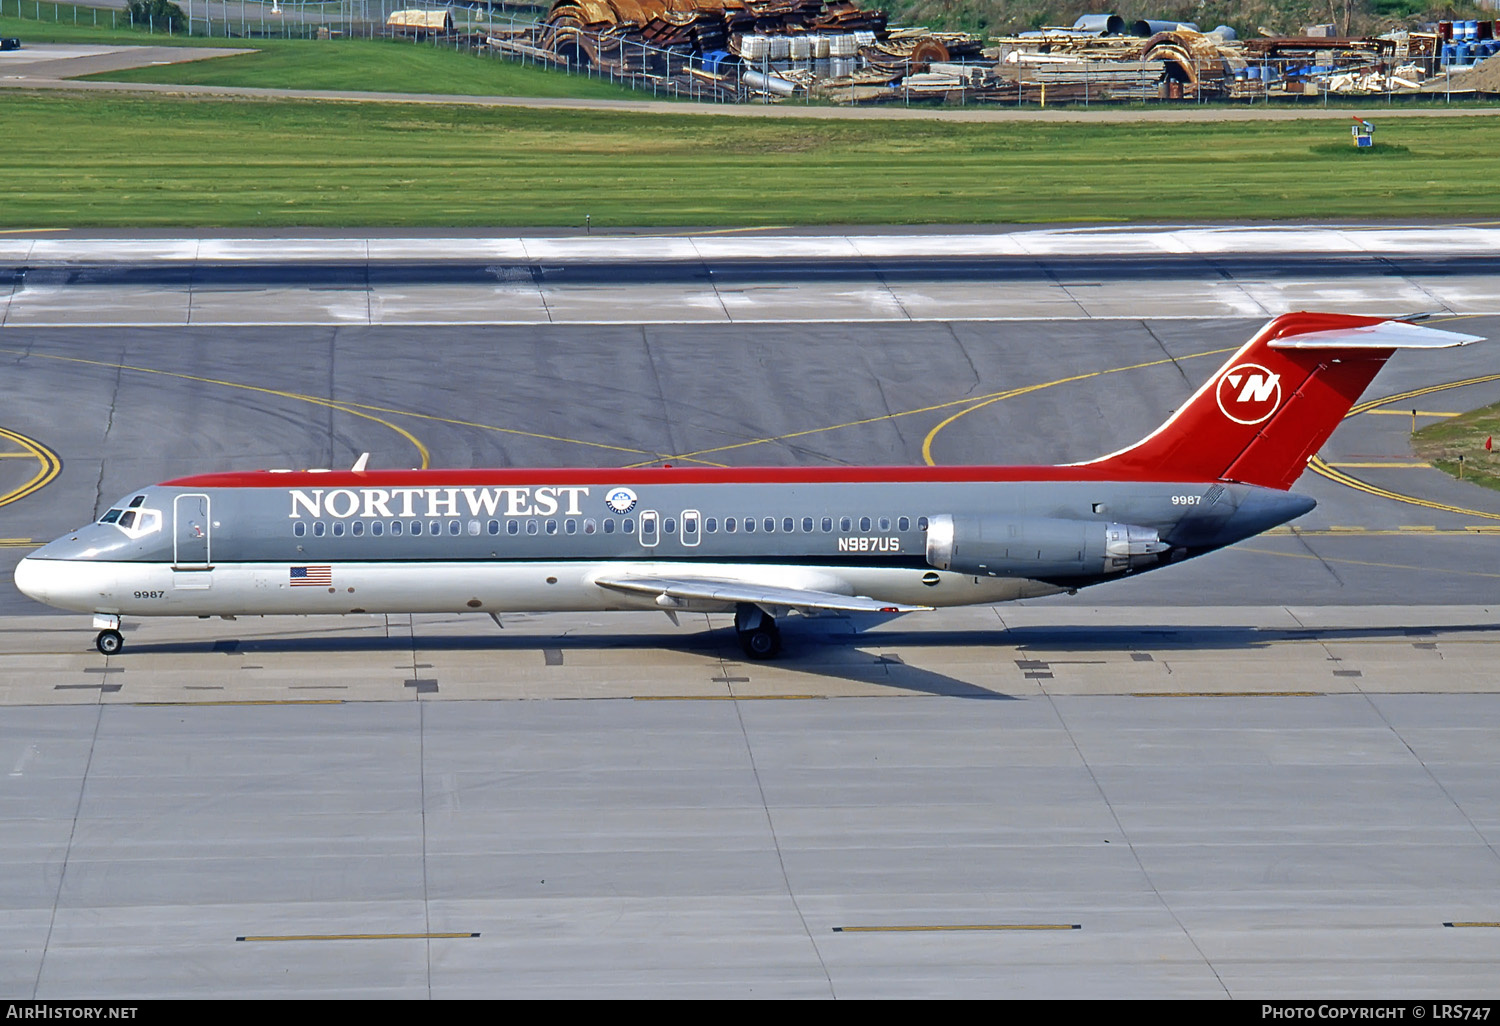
(109, 642)
(761, 643)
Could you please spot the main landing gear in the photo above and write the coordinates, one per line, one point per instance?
(109, 640)
(758, 634)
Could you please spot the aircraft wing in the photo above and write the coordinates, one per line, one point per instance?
(708, 589)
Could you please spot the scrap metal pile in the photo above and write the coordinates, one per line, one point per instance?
(836, 51)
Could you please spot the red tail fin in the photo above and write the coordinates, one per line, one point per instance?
(1274, 403)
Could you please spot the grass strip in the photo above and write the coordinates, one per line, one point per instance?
(1442, 444)
(115, 160)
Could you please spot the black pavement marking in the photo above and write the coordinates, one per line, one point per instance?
(1038, 675)
(1348, 673)
(1031, 664)
(730, 680)
(105, 689)
(104, 669)
(424, 685)
(553, 656)
(1426, 646)
(1142, 657)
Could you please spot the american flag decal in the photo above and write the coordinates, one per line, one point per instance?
(320, 576)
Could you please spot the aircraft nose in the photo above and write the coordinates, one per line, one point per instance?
(30, 579)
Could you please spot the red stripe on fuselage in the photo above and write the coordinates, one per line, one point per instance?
(655, 476)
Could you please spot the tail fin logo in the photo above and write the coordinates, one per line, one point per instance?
(1249, 393)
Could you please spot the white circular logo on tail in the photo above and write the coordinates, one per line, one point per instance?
(1249, 394)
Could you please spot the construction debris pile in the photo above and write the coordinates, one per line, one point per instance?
(833, 50)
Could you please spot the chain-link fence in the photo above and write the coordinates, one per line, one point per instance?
(848, 69)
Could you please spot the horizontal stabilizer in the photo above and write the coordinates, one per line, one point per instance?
(1384, 335)
(691, 590)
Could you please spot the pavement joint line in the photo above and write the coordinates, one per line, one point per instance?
(957, 928)
(1227, 694)
(251, 701)
(358, 936)
(726, 698)
(1476, 924)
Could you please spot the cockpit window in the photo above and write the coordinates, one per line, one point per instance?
(137, 523)
(135, 502)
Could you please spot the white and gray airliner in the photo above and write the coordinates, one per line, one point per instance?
(760, 543)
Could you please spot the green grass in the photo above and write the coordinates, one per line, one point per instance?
(1442, 444)
(110, 160)
(379, 65)
(373, 65)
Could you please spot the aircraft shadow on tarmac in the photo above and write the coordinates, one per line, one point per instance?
(862, 658)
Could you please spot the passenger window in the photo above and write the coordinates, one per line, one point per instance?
(473, 528)
(921, 523)
(648, 527)
(454, 528)
(749, 524)
(494, 527)
(357, 528)
(669, 526)
(711, 525)
(590, 525)
(845, 524)
(627, 526)
(551, 526)
(396, 527)
(609, 527)
(512, 527)
(318, 528)
(416, 527)
(338, 528)
(864, 523)
(885, 523)
(377, 528)
(788, 525)
(531, 527)
(904, 524)
(570, 526)
(827, 524)
(769, 524)
(730, 525)
(299, 529)
(807, 525)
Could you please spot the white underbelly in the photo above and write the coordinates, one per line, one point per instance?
(141, 589)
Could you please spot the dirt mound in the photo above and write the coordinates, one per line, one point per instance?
(1484, 77)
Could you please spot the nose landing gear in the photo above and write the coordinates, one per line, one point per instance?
(109, 640)
(758, 634)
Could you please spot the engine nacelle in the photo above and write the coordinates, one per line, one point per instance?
(1038, 547)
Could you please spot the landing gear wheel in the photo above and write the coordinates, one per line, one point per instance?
(757, 630)
(763, 642)
(109, 642)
